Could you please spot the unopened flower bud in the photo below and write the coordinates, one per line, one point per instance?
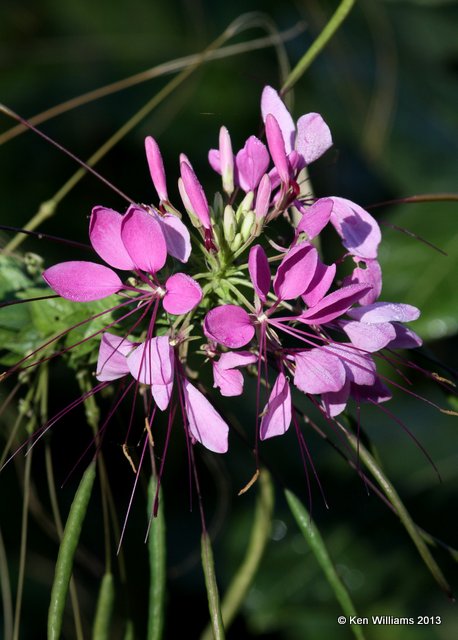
(156, 167)
(229, 224)
(237, 242)
(187, 204)
(227, 160)
(245, 206)
(276, 145)
(263, 197)
(218, 206)
(247, 225)
(196, 194)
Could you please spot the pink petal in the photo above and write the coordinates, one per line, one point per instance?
(229, 325)
(318, 371)
(227, 160)
(295, 271)
(277, 413)
(176, 236)
(229, 381)
(143, 238)
(82, 281)
(272, 103)
(385, 312)
(334, 402)
(252, 162)
(156, 167)
(112, 360)
(152, 361)
(320, 284)
(259, 269)
(315, 218)
(369, 337)
(360, 367)
(376, 392)
(263, 197)
(357, 228)
(195, 194)
(232, 359)
(105, 235)
(333, 305)
(215, 160)
(162, 394)
(313, 137)
(405, 338)
(182, 294)
(371, 275)
(205, 424)
(277, 147)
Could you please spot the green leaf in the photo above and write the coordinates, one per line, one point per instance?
(317, 545)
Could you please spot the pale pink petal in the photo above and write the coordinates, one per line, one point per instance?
(277, 147)
(277, 413)
(263, 197)
(229, 325)
(357, 228)
(156, 167)
(333, 305)
(227, 160)
(205, 424)
(369, 337)
(112, 360)
(295, 272)
(334, 402)
(385, 312)
(405, 338)
(229, 381)
(272, 103)
(152, 361)
(320, 283)
(195, 194)
(214, 160)
(162, 394)
(318, 371)
(176, 236)
(183, 293)
(143, 238)
(105, 236)
(252, 162)
(232, 359)
(313, 137)
(360, 367)
(315, 218)
(82, 281)
(371, 275)
(259, 269)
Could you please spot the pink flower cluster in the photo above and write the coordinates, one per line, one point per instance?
(302, 322)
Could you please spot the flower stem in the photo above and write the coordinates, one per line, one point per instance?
(318, 44)
(157, 563)
(216, 620)
(104, 609)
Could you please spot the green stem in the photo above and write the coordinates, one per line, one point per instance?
(104, 609)
(157, 563)
(5, 586)
(236, 593)
(316, 543)
(318, 44)
(216, 620)
(67, 550)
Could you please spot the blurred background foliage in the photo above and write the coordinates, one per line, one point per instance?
(387, 86)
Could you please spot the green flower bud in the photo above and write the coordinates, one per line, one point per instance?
(245, 205)
(236, 242)
(229, 224)
(247, 225)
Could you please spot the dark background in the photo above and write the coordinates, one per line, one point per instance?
(387, 86)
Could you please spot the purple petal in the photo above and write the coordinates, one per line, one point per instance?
(333, 305)
(195, 194)
(376, 392)
(334, 402)
(156, 167)
(360, 367)
(263, 197)
(252, 162)
(313, 137)
(232, 359)
(176, 236)
(112, 360)
(318, 371)
(277, 413)
(205, 424)
(162, 394)
(295, 272)
(385, 312)
(369, 337)
(229, 381)
(320, 283)
(405, 338)
(357, 228)
(259, 269)
(272, 103)
(182, 294)
(229, 325)
(152, 361)
(277, 147)
(371, 275)
(315, 218)
(143, 238)
(105, 235)
(82, 281)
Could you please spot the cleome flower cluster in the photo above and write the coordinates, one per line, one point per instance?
(276, 311)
